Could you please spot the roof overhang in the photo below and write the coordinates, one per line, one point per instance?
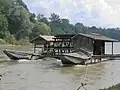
(96, 36)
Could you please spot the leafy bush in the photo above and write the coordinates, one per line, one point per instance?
(2, 41)
(24, 41)
(10, 39)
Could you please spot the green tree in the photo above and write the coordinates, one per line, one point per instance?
(19, 22)
(40, 29)
(42, 18)
(32, 18)
(3, 26)
(55, 18)
(65, 21)
(21, 3)
(79, 27)
(66, 26)
(56, 24)
(4, 6)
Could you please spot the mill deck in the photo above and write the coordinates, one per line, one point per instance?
(107, 55)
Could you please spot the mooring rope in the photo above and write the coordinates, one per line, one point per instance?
(85, 75)
(83, 79)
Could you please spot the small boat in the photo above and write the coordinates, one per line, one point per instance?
(13, 55)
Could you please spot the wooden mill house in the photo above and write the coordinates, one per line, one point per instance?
(74, 48)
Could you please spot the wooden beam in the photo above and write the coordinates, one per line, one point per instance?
(39, 47)
(112, 48)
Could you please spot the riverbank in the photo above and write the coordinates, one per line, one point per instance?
(14, 41)
(114, 87)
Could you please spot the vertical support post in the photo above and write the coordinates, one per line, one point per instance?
(93, 47)
(34, 48)
(112, 48)
(54, 44)
(53, 47)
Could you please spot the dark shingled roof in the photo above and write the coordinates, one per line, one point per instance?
(65, 35)
(96, 36)
(43, 37)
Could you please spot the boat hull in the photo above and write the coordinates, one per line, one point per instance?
(16, 55)
(70, 60)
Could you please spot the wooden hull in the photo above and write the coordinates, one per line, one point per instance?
(73, 58)
(64, 60)
(16, 55)
(70, 60)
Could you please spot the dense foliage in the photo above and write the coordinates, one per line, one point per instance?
(17, 23)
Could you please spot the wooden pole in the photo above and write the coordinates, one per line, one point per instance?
(34, 48)
(93, 47)
(112, 48)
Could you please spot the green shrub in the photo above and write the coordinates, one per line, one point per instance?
(24, 41)
(2, 41)
(11, 39)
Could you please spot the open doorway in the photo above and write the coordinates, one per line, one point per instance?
(98, 47)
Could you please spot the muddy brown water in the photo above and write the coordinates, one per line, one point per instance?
(49, 74)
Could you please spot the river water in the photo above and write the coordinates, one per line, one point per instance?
(49, 74)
